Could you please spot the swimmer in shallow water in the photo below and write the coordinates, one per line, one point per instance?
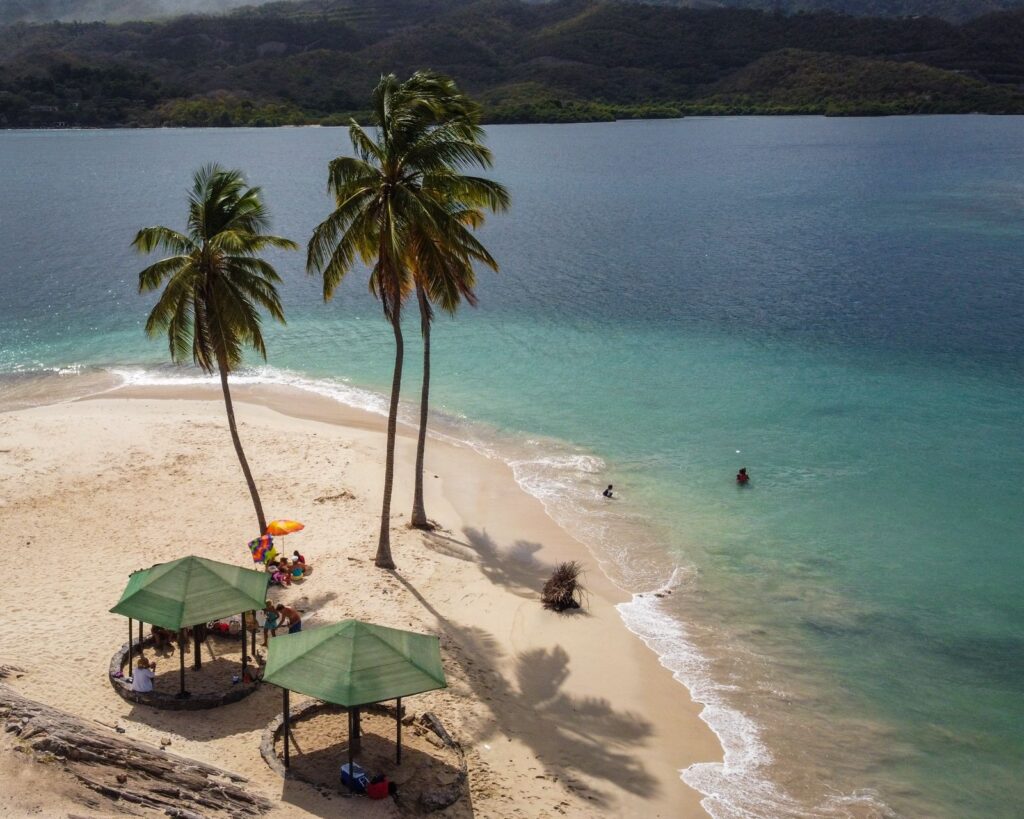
(742, 478)
(608, 492)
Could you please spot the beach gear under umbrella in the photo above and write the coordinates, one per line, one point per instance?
(284, 527)
(352, 664)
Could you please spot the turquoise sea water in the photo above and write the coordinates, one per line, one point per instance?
(836, 304)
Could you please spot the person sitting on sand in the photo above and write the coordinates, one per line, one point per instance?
(282, 575)
(270, 622)
(300, 568)
(742, 478)
(608, 492)
(142, 679)
(292, 618)
(300, 561)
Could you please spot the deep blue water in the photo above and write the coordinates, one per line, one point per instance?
(837, 304)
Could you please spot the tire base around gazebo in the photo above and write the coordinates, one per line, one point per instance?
(168, 702)
(429, 801)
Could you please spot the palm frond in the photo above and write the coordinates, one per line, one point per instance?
(149, 239)
(216, 284)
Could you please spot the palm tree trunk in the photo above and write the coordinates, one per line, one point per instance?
(383, 559)
(419, 513)
(238, 445)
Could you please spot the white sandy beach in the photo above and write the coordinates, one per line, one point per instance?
(559, 715)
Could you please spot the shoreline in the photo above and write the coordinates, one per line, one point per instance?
(708, 113)
(497, 540)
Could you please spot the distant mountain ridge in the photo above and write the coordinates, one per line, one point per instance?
(566, 60)
(952, 10)
(45, 11)
(114, 11)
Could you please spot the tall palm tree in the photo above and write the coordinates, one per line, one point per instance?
(384, 199)
(215, 284)
(443, 275)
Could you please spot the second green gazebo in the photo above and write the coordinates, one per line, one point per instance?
(353, 664)
(188, 592)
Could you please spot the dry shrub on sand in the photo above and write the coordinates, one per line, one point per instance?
(563, 589)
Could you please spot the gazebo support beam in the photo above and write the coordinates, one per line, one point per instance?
(398, 728)
(245, 655)
(287, 728)
(351, 751)
(197, 645)
(130, 648)
(140, 636)
(181, 663)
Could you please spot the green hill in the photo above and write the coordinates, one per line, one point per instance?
(792, 81)
(112, 11)
(559, 61)
(952, 10)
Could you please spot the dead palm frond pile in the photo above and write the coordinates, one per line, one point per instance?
(563, 589)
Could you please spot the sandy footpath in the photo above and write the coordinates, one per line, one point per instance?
(560, 715)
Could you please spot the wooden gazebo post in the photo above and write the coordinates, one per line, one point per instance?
(351, 751)
(197, 643)
(245, 657)
(287, 728)
(398, 728)
(181, 663)
(129, 648)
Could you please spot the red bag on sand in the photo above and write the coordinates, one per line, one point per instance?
(377, 790)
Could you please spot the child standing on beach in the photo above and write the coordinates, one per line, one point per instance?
(270, 622)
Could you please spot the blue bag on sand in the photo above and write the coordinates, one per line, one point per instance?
(356, 780)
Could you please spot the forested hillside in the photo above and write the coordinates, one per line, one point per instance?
(112, 11)
(952, 10)
(559, 61)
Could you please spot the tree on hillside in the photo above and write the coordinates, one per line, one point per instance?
(216, 284)
(386, 206)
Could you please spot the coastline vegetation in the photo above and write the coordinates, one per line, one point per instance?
(564, 61)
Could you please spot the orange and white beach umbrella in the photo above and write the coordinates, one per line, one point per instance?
(284, 527)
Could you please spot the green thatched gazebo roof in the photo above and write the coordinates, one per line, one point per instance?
(190, 591)
(353, 663)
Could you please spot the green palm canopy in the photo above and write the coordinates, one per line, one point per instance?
(353, 663)
(191, 590)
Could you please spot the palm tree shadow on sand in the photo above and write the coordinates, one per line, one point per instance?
(569, 735)
(515, 567)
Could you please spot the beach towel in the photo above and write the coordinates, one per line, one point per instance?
(262, 549)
